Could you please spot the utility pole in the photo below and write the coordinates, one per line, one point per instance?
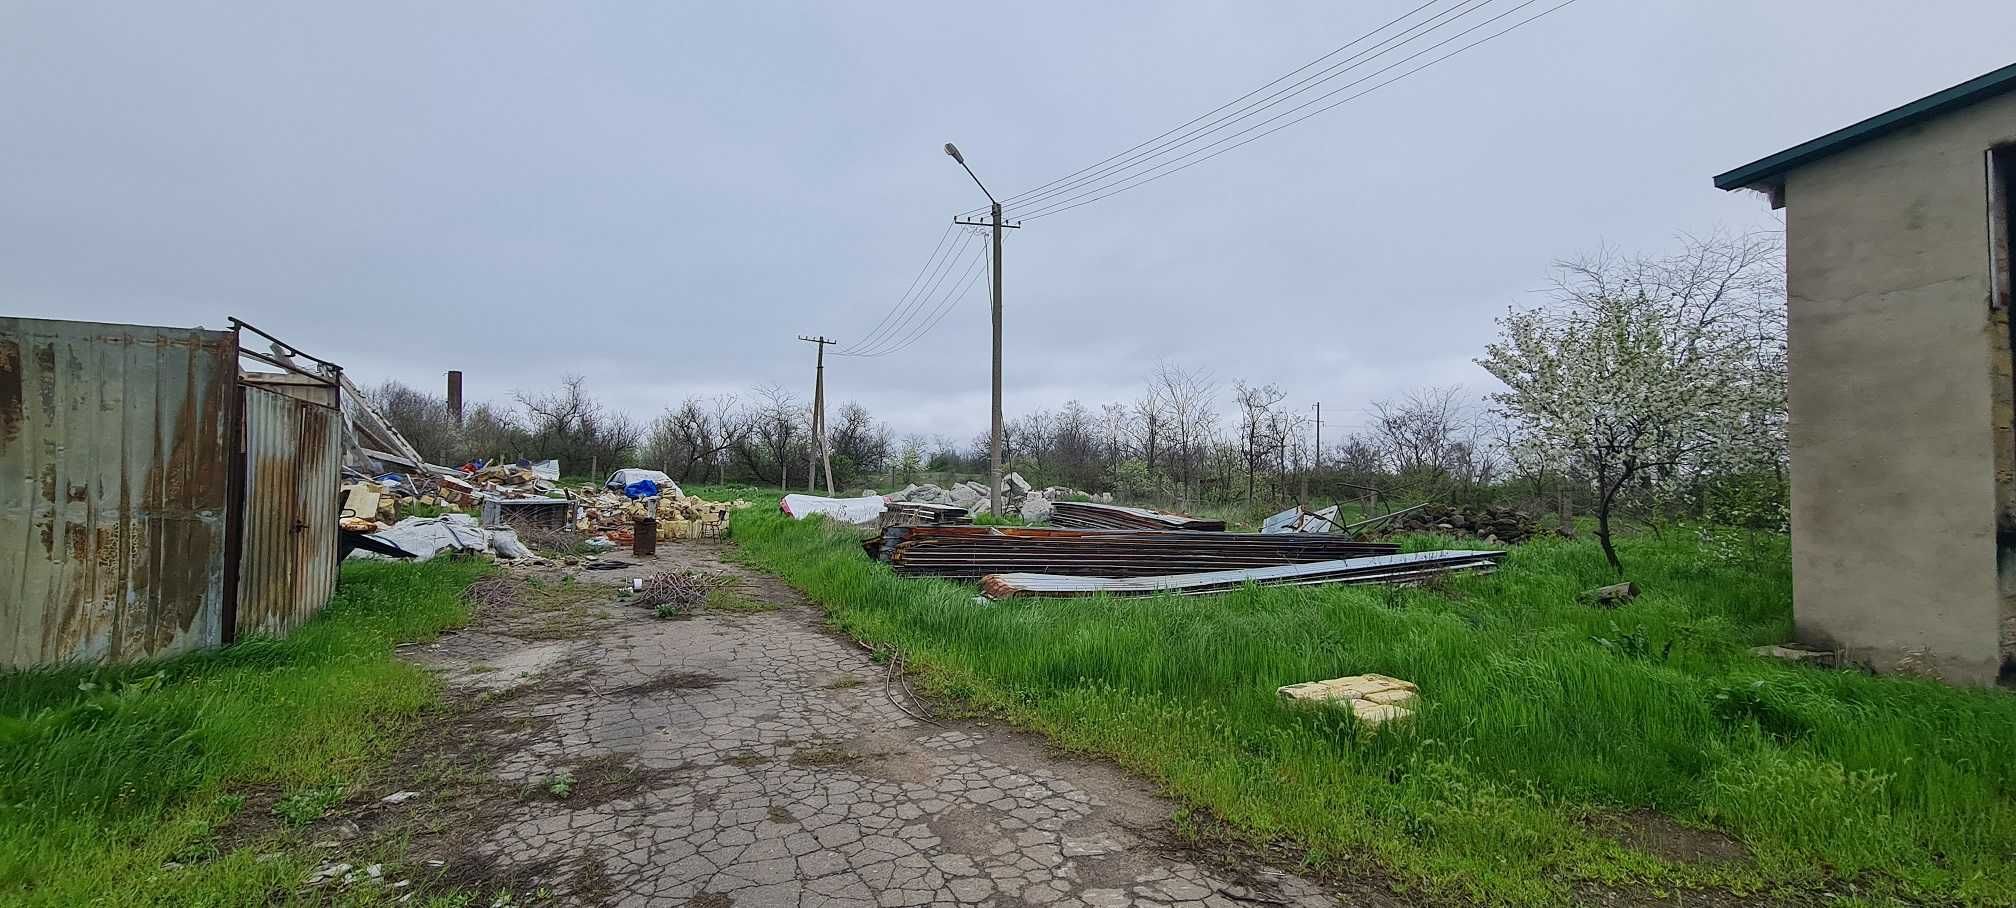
(994, 441)
(1316, 463)
(819, 453)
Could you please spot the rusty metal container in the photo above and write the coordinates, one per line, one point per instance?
(644, 536)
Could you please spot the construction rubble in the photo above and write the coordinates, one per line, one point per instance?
(483, 508)
(1510, 526)
(974, 497)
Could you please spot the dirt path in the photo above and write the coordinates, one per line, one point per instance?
(757, 759)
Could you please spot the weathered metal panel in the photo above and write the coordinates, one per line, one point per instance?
(114, 464)
(287, 570)
(300, 387)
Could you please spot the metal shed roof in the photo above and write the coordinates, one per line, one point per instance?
(1768, 171)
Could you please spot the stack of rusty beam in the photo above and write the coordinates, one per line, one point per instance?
(973, 552)
(1088, 515)
(1413, 567)
(924, 513)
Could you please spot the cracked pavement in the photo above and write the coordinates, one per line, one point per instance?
(768, 764)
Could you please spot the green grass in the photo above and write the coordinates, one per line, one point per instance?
(109, 776)
(1540, 714)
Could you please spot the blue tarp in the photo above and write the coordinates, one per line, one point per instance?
(642, 488)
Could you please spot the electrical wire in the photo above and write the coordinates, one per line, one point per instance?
(917, 303)
(945, 307)
(1116, 188)
(1146, 158)
(913, 283)
(1023, 196)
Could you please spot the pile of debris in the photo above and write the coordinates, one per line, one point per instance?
(371, 503)
(1118, 517)
(1510, 526)
(679, 515)
(1017, 494)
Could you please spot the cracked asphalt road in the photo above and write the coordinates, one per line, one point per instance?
(769, 765)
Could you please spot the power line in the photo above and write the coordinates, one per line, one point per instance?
(923, 325)
(907, 312)
(945, 307)
(1132, 161)
(913, 283)
(953, 264)
(930, 311)
(1116, 188)
(1346, 46)
(1166, 165)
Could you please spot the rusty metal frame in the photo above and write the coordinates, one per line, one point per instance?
(333, 377)
(234, 504)
(330, 375)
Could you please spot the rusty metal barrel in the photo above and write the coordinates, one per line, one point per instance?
(644, 537)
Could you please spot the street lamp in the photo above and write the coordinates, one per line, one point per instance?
(994, 442)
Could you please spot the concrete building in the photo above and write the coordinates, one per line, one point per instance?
(1903, 453)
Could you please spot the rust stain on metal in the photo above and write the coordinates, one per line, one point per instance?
(119, 431)
(287, 565)
(10, 389)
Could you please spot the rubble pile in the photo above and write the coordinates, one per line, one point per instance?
(1491, 524)
(1016, 492)
(485, 503)
(679, 516)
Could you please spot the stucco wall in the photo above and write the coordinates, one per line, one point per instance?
(1897, 395)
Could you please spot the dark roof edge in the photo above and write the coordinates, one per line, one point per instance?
(1961, 95)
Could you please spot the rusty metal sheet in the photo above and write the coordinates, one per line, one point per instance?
(114, 476)
(1090, 515)
(1412, 567)
(955, 551)
(293, 470)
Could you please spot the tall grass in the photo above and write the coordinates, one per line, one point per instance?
(114, 780)
(1540, 714)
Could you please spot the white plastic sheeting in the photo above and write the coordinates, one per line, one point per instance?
(848, 510)
(426, 537)
(504, 541)
(548, 470)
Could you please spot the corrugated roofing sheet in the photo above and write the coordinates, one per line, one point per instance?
(114, 452)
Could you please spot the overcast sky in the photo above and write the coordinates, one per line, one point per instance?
(661, 197)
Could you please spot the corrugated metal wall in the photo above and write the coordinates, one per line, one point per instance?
(115, 442)
(292, 470)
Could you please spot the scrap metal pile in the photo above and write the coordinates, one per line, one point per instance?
(972, 552)
(1141, 552)
(1119, 517)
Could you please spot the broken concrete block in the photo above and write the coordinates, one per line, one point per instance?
(1376, 714)
(1373, 699)
(1013, 484)
(1611, 596)
(1799, 654)
(1036, 509)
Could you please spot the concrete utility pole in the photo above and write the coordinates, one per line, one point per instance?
(455, 396)
(819, 453)
(1317, 462)
(994, 442)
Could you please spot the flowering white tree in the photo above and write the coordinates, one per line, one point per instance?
(1643, 374)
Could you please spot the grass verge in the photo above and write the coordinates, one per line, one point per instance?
(115, 780)
(1548, 725)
